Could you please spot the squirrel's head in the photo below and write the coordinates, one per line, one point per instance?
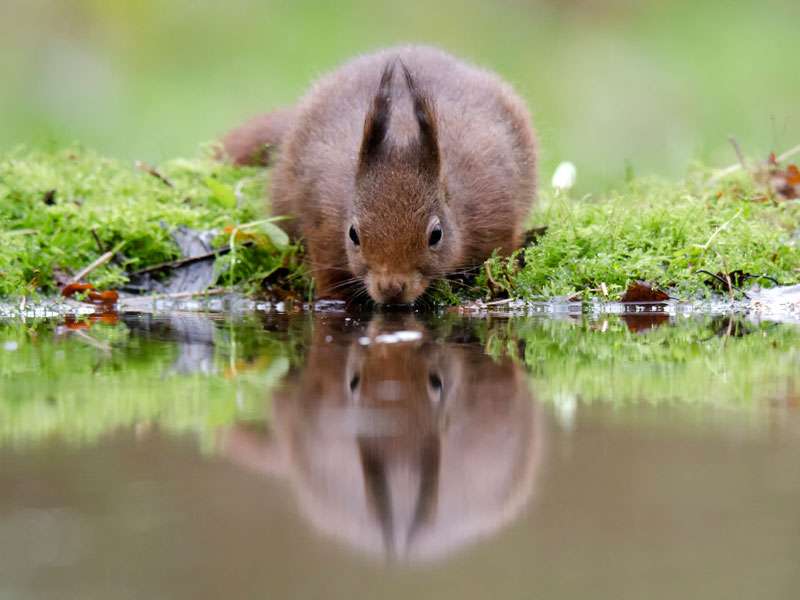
(401, 233)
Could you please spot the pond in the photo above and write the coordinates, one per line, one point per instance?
(399, 455)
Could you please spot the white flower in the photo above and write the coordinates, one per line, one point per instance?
(564, 176)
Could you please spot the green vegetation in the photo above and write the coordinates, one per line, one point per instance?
(653, 83)
(79, 382)
(658, 232)
(60, 211)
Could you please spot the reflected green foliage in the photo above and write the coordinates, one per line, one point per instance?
(79, 384)
(190, 374)
(701, 361)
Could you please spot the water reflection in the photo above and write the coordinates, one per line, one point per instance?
(398, 442)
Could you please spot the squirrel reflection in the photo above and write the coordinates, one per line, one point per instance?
(404, 449)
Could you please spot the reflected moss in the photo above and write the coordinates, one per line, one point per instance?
(81, 380)
(79, 384)
(725, 361)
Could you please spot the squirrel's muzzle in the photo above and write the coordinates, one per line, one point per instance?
(395, 289)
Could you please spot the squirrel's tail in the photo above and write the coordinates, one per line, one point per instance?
(254, 142)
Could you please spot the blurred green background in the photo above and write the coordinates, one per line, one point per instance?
(651, 84)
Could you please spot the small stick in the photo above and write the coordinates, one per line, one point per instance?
(100, 245)
(104, 258)
(85, 337)
(789, 153)
(717, 277)
(719, 230)
(738, 151)
(151, 170)
(726, 274)
(172, 264)
(722, 173)
(767, 277)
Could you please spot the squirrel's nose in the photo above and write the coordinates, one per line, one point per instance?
(391, 291)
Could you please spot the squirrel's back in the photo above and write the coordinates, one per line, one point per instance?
(486, 141)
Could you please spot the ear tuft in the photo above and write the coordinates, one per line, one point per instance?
(426, 119)
(376, 123)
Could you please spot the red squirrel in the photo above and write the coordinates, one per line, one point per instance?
(398, 168)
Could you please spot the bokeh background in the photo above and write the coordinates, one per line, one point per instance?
(613, 84)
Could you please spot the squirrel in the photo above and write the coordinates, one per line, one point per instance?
(398, 168)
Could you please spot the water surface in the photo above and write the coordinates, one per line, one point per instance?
(399, 455)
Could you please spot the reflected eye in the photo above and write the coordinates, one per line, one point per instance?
(353, 234)
(435, 382)
(435, 236)
(354, 382)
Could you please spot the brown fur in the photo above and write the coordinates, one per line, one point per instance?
(405, 450)
(392, 156)
(253, 142)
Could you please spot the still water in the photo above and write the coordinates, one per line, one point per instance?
(399, 456)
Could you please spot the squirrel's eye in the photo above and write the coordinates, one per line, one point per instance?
(436, 236)
(354, 235)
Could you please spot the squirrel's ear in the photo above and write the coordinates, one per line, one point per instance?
(426, 119)
(376, 123)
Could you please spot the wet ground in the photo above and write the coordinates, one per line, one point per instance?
(399, 456)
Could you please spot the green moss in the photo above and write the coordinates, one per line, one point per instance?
(656, 231)
(62, 210)
(661, 232)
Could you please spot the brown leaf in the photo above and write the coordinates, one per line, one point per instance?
(74, 324)
(640, 322)
(108, 297)
(74, 288)
(784, 183)
(641, 291)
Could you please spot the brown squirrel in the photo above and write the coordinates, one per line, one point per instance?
(393, 184)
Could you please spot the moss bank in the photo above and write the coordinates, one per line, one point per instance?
(60, 210)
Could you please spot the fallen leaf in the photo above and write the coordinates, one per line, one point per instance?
(641, 291)
(105, 298)
(75, 288)
(73, 324)
(108, 317)
(784, 183)
(637, 323)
